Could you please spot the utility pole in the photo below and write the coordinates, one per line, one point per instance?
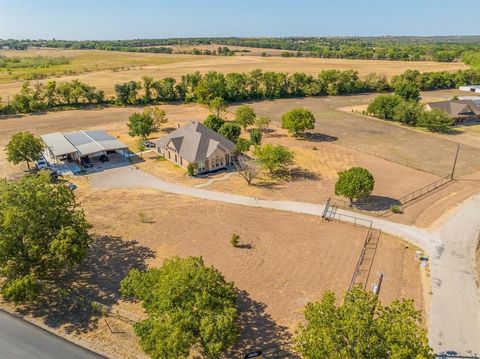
(455, 162)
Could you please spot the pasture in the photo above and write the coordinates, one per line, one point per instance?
(103, 69)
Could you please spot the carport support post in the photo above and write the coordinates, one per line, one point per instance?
(455, 162)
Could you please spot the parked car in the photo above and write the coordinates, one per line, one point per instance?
(103, 158)
(86, 162)
(148, 144)
(41, 163)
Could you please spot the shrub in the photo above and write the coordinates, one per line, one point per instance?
(274, 158)
(235, 240)
(383, 106)
(191, 169)
(396, 209)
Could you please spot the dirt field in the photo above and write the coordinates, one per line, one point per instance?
(340, 140)
(286, 261)
(103, 69)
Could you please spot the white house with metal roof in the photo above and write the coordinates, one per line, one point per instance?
(75, 146)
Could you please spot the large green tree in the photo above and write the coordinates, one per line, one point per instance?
(361, 328)
(245, 116)
(43, 232)
(383, 106)
(408, 90)
(23, 147)
(435, 121)
(274, 158)
(298, 120)
(143, 124)
(355, 183)
(187, 304)
(231, 131)
(213, 122)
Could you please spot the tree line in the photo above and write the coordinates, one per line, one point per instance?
(444, 49)
(232, 87)
(45, 96)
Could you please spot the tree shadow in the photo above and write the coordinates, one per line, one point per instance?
(302, 174)
(258, 329)
(317, 137)
(69, 303)
(376, 203)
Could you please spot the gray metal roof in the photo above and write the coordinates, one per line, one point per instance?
(83, 142)
(58, 144)
(195, 142)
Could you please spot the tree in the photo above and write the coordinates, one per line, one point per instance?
(218, 107)
(362, 328)
(142, 125)
(147, 88)
(298, 120)
(231, 131)
(186, 303)
(43, 233)
(435, 120)
(383, 106)
(261, 123)
(213, 122)
(355, 183)
(158, 115)
(126, 93)
(23, 146)
(255, 137)
(274, 158)
(247, 168)
(408, 90)
(245, 116)
(408, 112)
(241, 146)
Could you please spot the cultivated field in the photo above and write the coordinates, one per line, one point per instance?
(104, 69)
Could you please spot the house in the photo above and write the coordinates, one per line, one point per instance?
(458, 110)
(80, 146)
(474, 99)
(470, 88)
(196, 144)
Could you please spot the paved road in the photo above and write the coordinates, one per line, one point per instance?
(21, 340)
(455, 305)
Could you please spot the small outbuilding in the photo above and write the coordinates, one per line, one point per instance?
(470, 88)
(196, 144)
(80, 145)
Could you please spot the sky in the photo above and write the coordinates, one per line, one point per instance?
(131, 19)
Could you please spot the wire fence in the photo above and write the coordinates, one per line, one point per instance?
(425, 189)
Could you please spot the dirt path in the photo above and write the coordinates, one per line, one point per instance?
(455, 306)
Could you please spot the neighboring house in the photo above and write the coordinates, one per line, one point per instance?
(196, 144)
(470, 88)
(458, 110)
(77, 146)
(474, 99)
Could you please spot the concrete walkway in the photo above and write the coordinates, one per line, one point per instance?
(455, 305)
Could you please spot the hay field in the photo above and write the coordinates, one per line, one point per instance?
(95, 67)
